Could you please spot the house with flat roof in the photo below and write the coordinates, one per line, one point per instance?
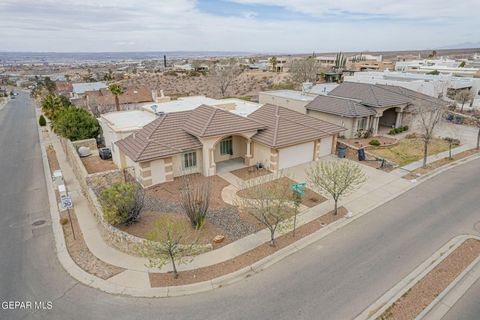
(81, 88)
(118, 125)
(209, 139)
(237, 106)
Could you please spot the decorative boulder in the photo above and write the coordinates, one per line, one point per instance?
(218, 238)
(84, 152)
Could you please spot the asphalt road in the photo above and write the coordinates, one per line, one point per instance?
(335, 278)
(468, 307)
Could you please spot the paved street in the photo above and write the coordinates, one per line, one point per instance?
(335, 278)
(468, 307)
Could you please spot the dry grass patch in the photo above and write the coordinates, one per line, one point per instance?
(310, 199)
(409, 150)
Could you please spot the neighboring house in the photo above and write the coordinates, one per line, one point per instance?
(348, 113)
(291, 99)
(64, 88)
(207, 139)
(103, 100)
(355, 106)
(238, 106)
(81, 88)
(118, 125)
(442, 66)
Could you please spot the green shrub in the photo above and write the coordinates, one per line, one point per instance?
(374, 142)
(405, 128)
(392, 132)
(122, 203)
(76, 124)
(41, 121)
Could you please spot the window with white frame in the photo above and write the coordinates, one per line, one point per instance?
(362, 123)
(226, 146)
(189, 159)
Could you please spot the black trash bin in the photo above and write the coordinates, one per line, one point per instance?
(342, 151)
(361, 154)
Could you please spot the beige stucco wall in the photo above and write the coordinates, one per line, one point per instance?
(261, 153)
(338, 120)
(296, 105)
(239, 145)
(157, 169)
(178, 164)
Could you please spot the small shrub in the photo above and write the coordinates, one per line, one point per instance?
(405, 128)
(41, 121)
(63, 221)
(374, 142)
(392, 132)
(122, 203)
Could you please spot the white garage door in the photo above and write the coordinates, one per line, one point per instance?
(325, 146)
(295, 155)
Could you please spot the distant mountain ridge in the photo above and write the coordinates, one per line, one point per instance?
(464, 45)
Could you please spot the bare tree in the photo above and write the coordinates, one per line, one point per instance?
(336, 178)
(168, 243)
(224, 75)
(195, 198)
(304, 70)
(463, 97)
(430, 116)
(267, 200)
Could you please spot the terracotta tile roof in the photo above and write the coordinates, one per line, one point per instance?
(63, 86)
(369, 94)
(287, 127)
(161, 138)
(415, 96)
(103, 97)
(340, 106)
(206, 121)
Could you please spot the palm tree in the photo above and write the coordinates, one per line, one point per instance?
(116, 90)
(273, 61)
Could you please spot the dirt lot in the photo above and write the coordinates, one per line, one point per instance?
(427, 289)
(145, 225)
(439, 163)
(409, 150)
(249, 83)
(170, 191)
(250, 172)
(94, 164)
(237, 263)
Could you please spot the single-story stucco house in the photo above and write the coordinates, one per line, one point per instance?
(205, 139)
(357, 106)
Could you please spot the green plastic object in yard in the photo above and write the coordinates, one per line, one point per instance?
(298, 188)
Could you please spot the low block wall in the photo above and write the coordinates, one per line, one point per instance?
(91, 185)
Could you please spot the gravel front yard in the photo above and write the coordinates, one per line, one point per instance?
(250, 172)
(246, 259)
(427, 289)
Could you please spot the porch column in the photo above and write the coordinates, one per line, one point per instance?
(248, 155)
(398, 122)
(368, 122)
(376, 121)
(212, 170)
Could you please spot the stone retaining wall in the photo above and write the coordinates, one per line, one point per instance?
(91, 185)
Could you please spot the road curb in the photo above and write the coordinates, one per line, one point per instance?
(442, 304)
(397, 291)
(104, 285)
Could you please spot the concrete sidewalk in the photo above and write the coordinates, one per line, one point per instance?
(379, 188)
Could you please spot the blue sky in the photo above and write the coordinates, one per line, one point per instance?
(283, 26)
